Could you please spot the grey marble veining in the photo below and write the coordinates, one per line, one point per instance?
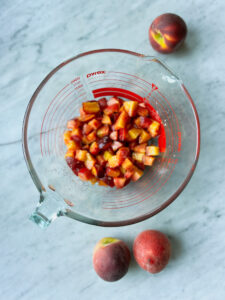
(35, 36)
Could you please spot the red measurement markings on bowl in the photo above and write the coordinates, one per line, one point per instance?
(77, 83)
(170, 160)
(179, 141)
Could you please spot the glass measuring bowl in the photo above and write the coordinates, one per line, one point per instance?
(92, 75)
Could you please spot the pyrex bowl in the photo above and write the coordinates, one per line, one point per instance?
(92, 75)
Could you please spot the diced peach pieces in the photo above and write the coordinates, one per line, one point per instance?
(113, 161)
(85, 140)
(107, 155)
(86, 118)
(90, 161)
(70, 153)
(98, 171)
(76, 132)
(116, 145)
(122, 154)
(148, 160)
(91, 107)
(133, 144)
(143, 122)
(139, 164)
(109, 110)
(81, 155)
(144, 137)
(94, 124)
(142, 111)
(138, 156)
(154, 128)
(85, 147)
(131, 107)
(102, 103)
(72, 145)
(113, 101)
(91, 136)
(102, 183)
(93, 180)
(152, 151)
(122, 120)
(134, 133)
(101, 159)
(114, 135)
(137, 174)
(85, 174)
(106, 120)
(119, 182)
(67, 137)
(82, 112)
(72, 124)
(104, 143)
(108, 142)
(123, 134)
(113, 172)
(103, 131)
(140, 148)
(87, 129)
(94, 149)
(127, 165)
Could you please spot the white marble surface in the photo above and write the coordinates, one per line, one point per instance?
(35, 36)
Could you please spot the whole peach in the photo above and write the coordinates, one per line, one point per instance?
(167, 32)
(111, 259)
(152, 250)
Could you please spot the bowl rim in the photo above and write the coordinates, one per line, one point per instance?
(70, 212)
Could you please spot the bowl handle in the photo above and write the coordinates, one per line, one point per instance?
(50, 206)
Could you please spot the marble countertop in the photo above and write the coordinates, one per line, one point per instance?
(36, 36)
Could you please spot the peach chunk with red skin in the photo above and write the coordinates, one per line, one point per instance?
(87, 129)
(103, 131)
(81, 155)
(106, 120)
(137, 174)
(114, 135)
(119, 182)
(131, 107)
(113, 172)
(140, 148)
(152, 250)
(111, 259)
(122, 154)
(144, 137)
(74, 123)
(102, 103)
(94, 124)
(90, 161)
(116, 145)
(142, 110)
(84, 174)
(143, 122)
(114, 107)
(154, 128)
(122, 120)
(91, 107)
(94, 148)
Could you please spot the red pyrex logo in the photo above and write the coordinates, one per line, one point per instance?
(95, 73)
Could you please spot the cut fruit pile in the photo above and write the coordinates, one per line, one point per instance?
(108, 142)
